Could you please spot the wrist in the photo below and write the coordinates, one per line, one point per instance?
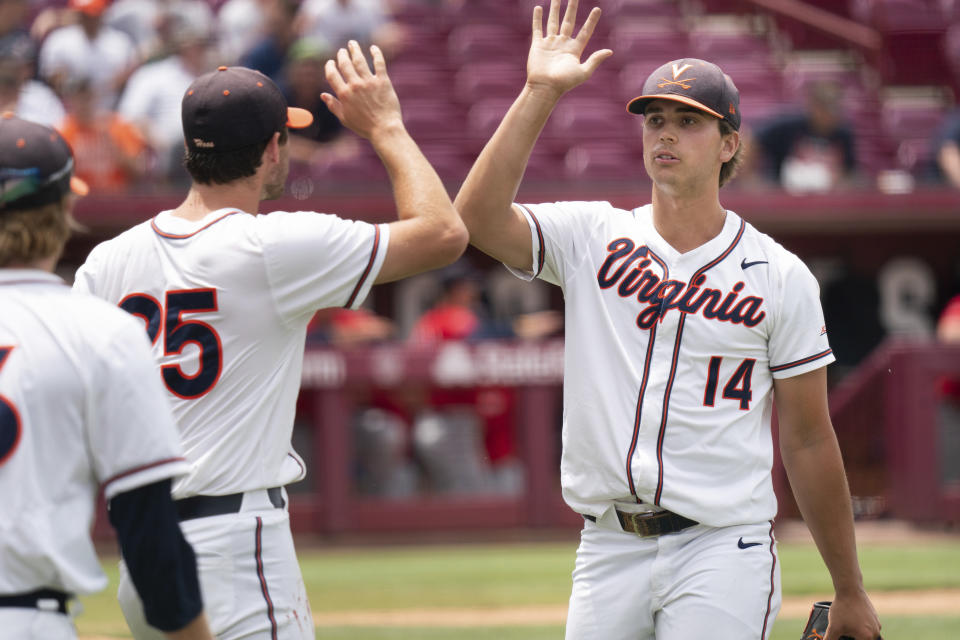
(850, 585)
(388, 130)
(542, 93)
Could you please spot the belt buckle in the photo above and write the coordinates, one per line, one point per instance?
(643, 524)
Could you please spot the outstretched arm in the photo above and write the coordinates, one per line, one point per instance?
(429, 234)
(811, 457)
(553, 68)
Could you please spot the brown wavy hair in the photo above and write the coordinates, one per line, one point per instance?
(27, 235)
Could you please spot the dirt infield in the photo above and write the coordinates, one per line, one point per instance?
(931, 602)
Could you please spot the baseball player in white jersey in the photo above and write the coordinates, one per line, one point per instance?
(80, 408)
(225, 296)
(682, 320)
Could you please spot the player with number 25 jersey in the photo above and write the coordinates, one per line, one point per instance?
(225, 296)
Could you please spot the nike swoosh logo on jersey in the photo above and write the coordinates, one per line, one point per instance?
(746, 265)
(747, 545)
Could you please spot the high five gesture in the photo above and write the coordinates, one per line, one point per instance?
(554, 60)
(553, 68)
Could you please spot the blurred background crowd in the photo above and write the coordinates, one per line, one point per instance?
(820, 114)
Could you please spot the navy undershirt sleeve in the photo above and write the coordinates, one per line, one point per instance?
(161, 562)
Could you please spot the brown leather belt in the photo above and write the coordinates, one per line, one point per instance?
(651, 524)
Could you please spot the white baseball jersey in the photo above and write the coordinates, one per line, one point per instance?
(670, 359)
(80, 407)
(226, 301)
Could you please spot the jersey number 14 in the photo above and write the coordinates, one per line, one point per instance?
(178, 333)
(737, 387)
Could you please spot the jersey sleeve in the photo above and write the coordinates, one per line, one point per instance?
(316, 260)
(798, 340)
(133, 440)
(559, 231)
(85, 279)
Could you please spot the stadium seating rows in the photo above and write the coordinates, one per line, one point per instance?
(477, 49)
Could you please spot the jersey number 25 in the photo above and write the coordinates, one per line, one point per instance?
(177, 333)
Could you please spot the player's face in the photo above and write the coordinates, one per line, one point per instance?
(682, 146)
(277, 177)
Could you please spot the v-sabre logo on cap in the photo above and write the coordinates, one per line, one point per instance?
(694, 82)
(235, 107)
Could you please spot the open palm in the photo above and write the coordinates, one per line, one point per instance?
(554, 59)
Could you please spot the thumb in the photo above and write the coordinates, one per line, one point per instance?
(336, 108)
(595, 59)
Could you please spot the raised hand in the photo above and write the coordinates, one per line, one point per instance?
(554, 60)
(365, 101)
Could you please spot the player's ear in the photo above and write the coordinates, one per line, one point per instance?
(729, 145)
(272, 152)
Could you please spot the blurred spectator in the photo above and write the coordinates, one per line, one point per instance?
(465, 439)
(338, 21)
(19, 92)
(946, 145)
(948, 332)
(346, 328)
(151, 100)
(13, 16)
(268, 55)
(240, 26)
(138, 19)
(812, 150)
(109, 151)
(89, 49)
(455, 314)
(322, 142)
(948, 325)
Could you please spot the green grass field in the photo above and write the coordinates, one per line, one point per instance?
(434, 580)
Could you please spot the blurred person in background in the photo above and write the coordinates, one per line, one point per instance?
(946, 148)
(240, 24)
(151, 100)
(147, 22)
(946, 141)
(811, 150)
(323, 142)
(948, 333)
(13, 17)
(464, 436)
(109, 150)
(270, 49)
(20, 93)
(89, 48)
(347, 328)
(337, 21)
(138, 19)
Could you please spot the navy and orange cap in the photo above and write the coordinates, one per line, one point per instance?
(236, 107)
(697, 83)
(36, 165)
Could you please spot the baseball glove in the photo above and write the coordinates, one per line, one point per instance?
(816, 628)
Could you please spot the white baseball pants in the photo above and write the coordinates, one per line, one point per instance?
(249, 577)
(701, 582)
